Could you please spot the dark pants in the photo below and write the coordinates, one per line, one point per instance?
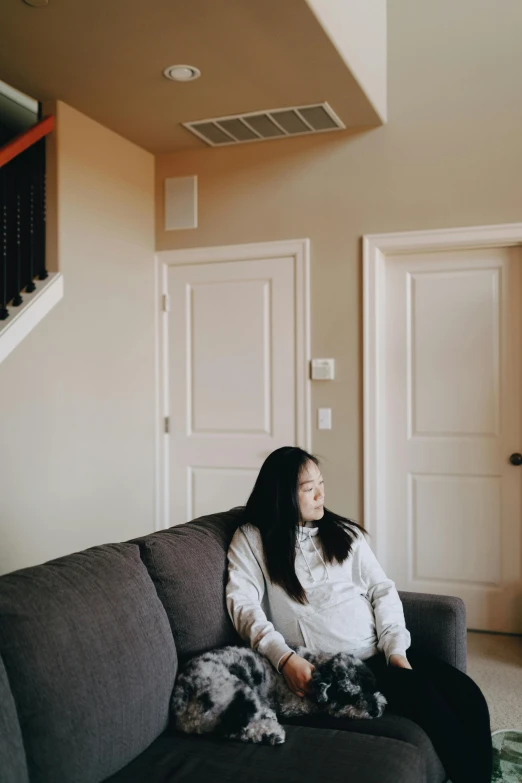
(448, 705)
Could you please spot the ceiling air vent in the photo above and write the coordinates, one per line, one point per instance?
(261, 126)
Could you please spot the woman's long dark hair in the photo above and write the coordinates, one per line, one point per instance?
(273, 508)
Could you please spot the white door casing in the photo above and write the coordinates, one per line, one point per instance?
(443, 387)
(234, 356)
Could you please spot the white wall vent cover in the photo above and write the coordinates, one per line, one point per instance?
(265, 125)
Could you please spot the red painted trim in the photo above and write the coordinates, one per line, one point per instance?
(25, 140)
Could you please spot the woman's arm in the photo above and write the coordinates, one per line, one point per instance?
(244, 593)
(393, 636)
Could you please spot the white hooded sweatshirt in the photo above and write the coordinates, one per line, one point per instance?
(351, 607)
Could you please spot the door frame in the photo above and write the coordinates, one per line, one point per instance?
(377, 249)
(299, 249)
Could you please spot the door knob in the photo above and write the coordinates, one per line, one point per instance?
(516, 459)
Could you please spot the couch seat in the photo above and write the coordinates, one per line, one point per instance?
(308, 754)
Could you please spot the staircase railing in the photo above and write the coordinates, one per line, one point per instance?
(23, 214)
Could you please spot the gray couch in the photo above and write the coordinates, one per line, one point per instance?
(89, 648)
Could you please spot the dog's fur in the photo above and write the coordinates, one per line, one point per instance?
(236, 692)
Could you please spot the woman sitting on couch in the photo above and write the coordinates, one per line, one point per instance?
(301, 575)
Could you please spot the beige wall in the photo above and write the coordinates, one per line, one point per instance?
(450, 155)
(358, 31)
(77, 395)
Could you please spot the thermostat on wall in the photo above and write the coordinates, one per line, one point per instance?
(323, 369)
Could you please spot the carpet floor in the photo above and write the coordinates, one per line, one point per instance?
(495, 663)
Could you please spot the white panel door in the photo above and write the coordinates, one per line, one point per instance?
(232, 378)
(452, 398)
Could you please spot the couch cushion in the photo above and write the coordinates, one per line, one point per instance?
(188, 565)
(307, 755)
(91, 662)
(13, 767)
(389, 725)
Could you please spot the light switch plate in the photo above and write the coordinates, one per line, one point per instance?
(324, 418)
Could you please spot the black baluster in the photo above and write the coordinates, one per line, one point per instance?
(31, 285)
(17, 300)
(4, 312)
(43, 271)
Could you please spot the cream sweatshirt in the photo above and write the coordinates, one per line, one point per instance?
(352, 607)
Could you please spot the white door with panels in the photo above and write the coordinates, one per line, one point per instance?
(236, 354)
(451, 397)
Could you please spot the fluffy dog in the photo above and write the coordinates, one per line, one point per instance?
(236, 692)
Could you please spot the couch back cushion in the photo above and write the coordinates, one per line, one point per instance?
(188, 565)
(90, 659)
(13, 766)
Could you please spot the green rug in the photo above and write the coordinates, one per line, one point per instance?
(507, 756)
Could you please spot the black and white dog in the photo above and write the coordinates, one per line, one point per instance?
(236, 692)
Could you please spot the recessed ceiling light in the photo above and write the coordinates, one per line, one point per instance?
(182, 73)
(36, 3)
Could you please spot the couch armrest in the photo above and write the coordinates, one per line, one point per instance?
(437, 624)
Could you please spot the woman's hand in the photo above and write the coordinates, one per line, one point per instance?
(400, 661)
(298, 675)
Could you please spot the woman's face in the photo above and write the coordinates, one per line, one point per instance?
(311, 493)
